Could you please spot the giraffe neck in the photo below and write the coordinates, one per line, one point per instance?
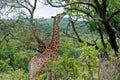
(54, 44)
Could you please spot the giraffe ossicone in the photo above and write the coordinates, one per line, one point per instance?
(38, 62)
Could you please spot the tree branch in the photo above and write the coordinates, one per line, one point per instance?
(87, 13)
(78, 2)
(29, 3)
(24, 6)
(4, 38)
(115, 13)
(82, 12)
(104, 8)
(35, 3)
(74, 29)
(41, 44)
(98, 8)
(97, 3)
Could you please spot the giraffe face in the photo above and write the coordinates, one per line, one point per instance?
(58, 17)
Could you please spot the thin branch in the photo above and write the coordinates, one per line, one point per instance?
(87, 13)
(24, 6)
(35, 3)
(98, 9)
(115, 13)
(80, 40)
(78, 2)
(32, 11)
(97, 4)
(68, 35)
(82, 12)
(41, 44)
(4, 38)
(26, 43)
(74, 29)
(29, 3)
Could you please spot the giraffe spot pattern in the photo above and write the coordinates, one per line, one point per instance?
(51, 51)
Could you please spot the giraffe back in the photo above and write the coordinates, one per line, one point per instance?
(37, 63)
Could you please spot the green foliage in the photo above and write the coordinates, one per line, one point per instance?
(70, 67)
(118, 78)
(4, 65)
(116, 22)
(14, 75)
(65, 67)
(11, 56)
(89, 62)
(75, 62)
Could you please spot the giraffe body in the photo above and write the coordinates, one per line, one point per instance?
(38, 62)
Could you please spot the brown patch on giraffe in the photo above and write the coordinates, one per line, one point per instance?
(38, 62)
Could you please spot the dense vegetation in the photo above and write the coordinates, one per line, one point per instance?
(89, 40)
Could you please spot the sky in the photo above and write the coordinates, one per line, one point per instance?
(46, 11)
(41, 11)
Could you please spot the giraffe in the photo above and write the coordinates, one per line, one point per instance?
(38, 62)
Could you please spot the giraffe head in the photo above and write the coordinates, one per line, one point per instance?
(58, 17)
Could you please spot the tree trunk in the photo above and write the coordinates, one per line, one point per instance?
(104, 45)
(112, 38)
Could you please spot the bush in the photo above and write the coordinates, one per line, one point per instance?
(14, 75)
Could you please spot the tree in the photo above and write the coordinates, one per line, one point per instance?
(24, 9)
(98, 10)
